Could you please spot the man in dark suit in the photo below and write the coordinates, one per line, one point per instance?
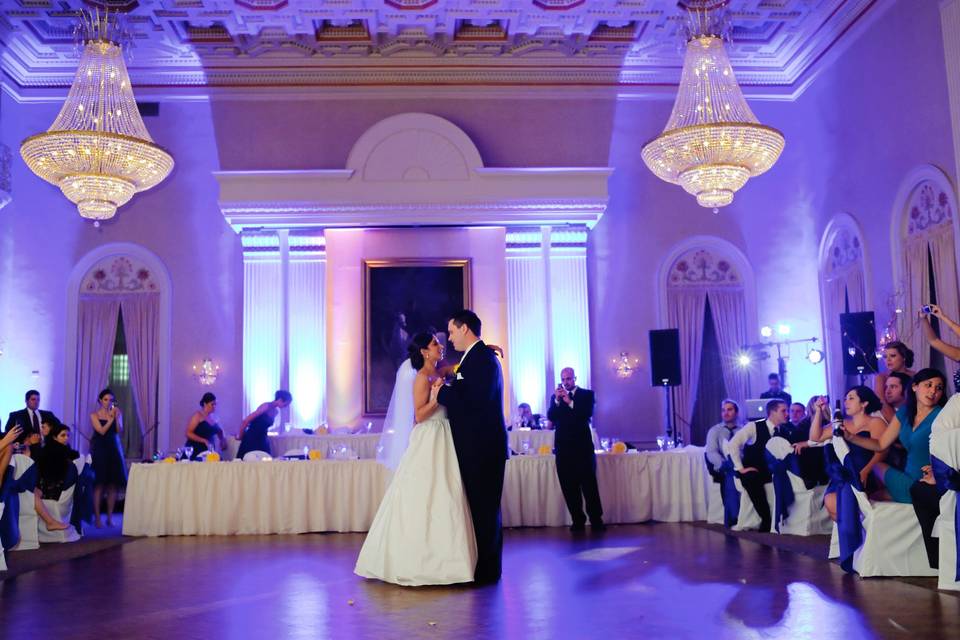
(474, 402)
(570, 411)
(30, 418)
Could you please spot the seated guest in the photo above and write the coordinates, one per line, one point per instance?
(527, 418)
(748, 449)
(859, 403)
(897, 358)
(253, 429)
(718, 434)
(813, 468)
(30, 419)
(775, 391)
(911, 424)
(53, 463)
(203, 430)
(797, 426)
(570, 411)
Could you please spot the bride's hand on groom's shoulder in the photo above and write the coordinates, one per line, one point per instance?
(497, 349)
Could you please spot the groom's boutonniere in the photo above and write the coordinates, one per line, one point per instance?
(456, 368)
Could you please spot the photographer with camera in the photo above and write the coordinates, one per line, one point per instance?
(570, 411)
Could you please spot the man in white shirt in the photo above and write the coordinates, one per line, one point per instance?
(748, 454)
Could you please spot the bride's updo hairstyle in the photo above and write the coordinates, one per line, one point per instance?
(419, 341)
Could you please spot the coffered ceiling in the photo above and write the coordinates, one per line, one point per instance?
(297, 43)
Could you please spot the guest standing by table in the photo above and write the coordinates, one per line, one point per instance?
(109, 467)
(570, 411)
(253, 429)
(203, 430)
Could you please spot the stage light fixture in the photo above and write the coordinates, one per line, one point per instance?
(766, 331)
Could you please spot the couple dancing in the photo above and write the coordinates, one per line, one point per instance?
(439, 522)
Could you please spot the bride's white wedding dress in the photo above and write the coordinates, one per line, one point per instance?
(422, 533)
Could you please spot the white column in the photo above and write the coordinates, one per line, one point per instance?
(526, 320)
(262, 319)
(306, 330)
(569, 303)
(950, 26)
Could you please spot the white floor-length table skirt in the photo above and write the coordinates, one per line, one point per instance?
(299, 496)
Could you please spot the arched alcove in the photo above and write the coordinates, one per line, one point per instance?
(123, 274)
(707, 278)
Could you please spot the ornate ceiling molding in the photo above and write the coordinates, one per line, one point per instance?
(413, 169)
(335, 43)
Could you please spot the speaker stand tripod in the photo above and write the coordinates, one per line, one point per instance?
(671, 418)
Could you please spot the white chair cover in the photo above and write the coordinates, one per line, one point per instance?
(946, 446)
(61, 510)
(29, 532)
(257, 456)
(892, 544)
(748, 519)
(714, 503)
(808, 516)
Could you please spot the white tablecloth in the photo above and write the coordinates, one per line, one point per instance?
(365, 444)
(678, 482)
(229, 498)
(539, 437)
(532, 496)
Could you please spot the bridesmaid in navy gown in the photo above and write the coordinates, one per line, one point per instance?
(109, 467)
(203, 430)
(253, 429)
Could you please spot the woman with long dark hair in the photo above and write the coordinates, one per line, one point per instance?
(253, 429)
(53, 463)
(911, 425)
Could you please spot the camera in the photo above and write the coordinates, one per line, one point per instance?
(927, 309)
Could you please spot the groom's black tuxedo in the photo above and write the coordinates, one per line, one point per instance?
(474, 403)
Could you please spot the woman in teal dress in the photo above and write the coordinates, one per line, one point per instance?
(911, 425)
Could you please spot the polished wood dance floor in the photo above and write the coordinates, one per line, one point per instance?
(637, 581)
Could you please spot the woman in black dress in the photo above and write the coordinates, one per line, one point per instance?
(109, 468)
(203, 430)
(53, 463)
(253, 429)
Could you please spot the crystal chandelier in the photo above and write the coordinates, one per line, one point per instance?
(712, 143)
(98, 150)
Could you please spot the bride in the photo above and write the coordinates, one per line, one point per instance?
(422, 533)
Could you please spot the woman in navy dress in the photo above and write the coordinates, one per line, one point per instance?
(203, 430)
(859, 403)
(253, 429)
(109, 467)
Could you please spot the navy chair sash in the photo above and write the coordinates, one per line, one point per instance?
(782, 488)
(82, 498)
(948, 479)
(845, 477)
(10, 490)
(729, 494)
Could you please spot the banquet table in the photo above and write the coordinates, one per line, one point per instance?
(364, 444)
(299, 496)
(235, 498)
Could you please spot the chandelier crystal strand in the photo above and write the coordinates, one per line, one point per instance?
(98, 151)
(713, 143)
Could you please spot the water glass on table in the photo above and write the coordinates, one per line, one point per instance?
(661, 440)
(605, 444)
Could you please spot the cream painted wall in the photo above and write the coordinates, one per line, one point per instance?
(346, 251)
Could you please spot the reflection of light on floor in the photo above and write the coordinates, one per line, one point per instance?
(304, 607)
(604, 554)
(810, 614)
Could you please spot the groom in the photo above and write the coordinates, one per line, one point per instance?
(474, 402)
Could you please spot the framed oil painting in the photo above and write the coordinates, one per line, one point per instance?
(403, 297)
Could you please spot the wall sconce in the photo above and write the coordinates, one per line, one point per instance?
(206, 372)
(624, 365)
